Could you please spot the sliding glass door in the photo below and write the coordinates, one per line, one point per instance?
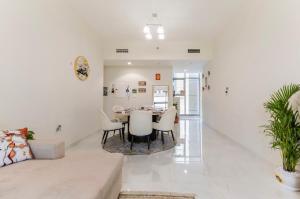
(187, 89)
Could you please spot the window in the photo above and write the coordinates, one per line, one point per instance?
(160, 97)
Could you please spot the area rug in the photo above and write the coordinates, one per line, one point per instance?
(153, 195)
(115, 145)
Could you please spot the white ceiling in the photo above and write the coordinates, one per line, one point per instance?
(184, 20)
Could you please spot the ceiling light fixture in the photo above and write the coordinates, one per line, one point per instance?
(154, 28)
(146, 29)
(148, 36)
(160, 30)
(129, 63)
(161, 36)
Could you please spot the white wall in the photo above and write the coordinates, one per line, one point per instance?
(258, 52)
(131, 75)
(39, 41)
(147, 50)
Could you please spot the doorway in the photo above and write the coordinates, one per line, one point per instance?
(187, 93)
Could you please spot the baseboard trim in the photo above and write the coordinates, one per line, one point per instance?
(239, 144)
(81, 139)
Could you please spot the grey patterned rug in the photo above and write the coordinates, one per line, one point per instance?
(115, 145)
(157, 195)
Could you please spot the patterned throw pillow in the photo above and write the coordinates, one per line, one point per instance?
(13, 148)
(24, 131)
(2, 134)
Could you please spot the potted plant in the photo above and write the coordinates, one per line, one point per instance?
(284, 129)
(30, 135)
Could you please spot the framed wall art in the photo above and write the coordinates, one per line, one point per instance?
(105, 91)
(157, 76)
(81, 68)
(142, 90)
(142, 83)
(134, 91)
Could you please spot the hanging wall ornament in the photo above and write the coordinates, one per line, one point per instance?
(113, 89)
(127, 91)
(81, 68)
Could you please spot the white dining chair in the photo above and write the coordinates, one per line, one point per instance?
(166, 123)
(109, 126)
(140, 125)
(116, 109)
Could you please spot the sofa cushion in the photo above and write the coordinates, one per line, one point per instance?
(81, 174)
(13, 148)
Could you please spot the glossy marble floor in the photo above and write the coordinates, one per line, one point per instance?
(203, 162)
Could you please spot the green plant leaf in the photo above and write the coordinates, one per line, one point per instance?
(30, 135)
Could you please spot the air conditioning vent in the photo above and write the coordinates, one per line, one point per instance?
(122, 50)
(193, 50)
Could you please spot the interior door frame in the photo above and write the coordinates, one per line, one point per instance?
(167, 105)
(183, 79)
(184, 84)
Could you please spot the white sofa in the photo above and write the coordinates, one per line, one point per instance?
(80, 174)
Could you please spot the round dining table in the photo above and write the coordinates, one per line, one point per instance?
(155, 116)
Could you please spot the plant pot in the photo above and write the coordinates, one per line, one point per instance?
(290, 180)
(176, 119)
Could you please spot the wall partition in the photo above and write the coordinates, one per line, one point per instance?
(154, 92)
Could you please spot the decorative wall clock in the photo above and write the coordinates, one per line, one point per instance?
(81, 68)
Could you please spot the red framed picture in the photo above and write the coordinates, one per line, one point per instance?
(157, 76)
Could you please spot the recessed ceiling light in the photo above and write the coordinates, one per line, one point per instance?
(148, 36)
(161, 36)
(129, 63)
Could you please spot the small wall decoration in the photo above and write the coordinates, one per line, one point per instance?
(120, 89)
(142, 90)
(157, 76)
(127, 90)
(134, 91)
(81, 68)
(142, 83)
(206, 82)
(105, 91)
(226, 90)
(113, 89)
